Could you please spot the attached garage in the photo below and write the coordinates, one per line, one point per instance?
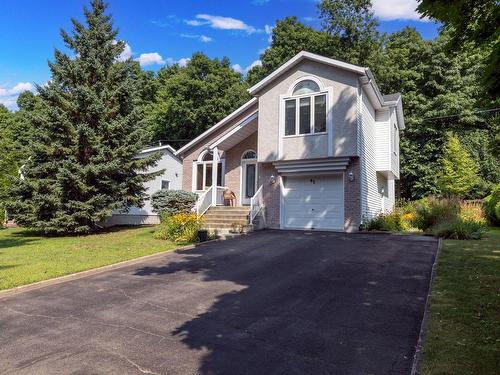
(313, 202)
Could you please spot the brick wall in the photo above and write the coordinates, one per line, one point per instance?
(352, 196)
(233, 163)
(271, 193)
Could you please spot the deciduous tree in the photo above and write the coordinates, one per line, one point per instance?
(193, 98)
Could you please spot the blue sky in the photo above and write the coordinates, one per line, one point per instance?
(160, 32)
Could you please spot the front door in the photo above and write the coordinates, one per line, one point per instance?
(248, 180)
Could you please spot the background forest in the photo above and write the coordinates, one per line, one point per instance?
(449, 85)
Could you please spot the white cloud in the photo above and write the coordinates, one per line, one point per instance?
(388, 10)
(269, 31)
(222, 23)
(182, 62)
(195, 23)
(239, 69)
(201, 38)
(205, 39)
(20, 87)
(8, 96)
(126, 54)
(152, 58)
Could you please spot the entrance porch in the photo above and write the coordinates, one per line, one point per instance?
(228, 168)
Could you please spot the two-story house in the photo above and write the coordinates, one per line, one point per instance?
(317, 147)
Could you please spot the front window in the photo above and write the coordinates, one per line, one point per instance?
(290, 115)
(204, 169)
(305, 111)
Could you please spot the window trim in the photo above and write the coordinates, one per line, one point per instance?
(168, 185)
(200, 161)
(329, 117)
(312, 113)
(395, 139)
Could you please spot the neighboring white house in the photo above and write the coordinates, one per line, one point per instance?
(170, 179)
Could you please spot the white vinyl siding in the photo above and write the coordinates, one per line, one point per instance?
(391, 192)
(386, 192)
(382, 140)
(394, 153)
(370, 196)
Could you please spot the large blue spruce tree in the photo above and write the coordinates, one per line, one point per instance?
(82, 162)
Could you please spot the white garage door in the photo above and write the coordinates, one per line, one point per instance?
(313, 202)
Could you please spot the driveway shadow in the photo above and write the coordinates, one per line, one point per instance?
(296, 303)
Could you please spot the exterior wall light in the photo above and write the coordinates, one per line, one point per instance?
(350, 176)
(272, 180)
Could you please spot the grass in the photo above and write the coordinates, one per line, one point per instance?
(26, 257)
(463, 335)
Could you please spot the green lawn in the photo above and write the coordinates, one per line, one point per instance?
(26, 258)
(464, 322)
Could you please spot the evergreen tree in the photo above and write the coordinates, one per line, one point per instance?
(10, 156)
(459, 173)
(82, 164)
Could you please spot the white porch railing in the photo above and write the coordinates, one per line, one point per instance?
(256, 204)
(205, 199)
(204, 202)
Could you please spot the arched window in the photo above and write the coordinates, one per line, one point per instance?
(249, 154)
(204, 169)
(208, 156)
(307, 86)
(305, 109)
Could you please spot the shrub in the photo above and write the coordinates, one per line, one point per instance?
(461, 229)
(172, 202)
(182, 227)
(431, 212)
(492, 206)
(472, 210)
(388, 222)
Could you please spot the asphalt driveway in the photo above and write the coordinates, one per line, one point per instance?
(273, 302)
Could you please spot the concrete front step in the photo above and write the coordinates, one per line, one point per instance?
(227, 212)
(229, 208)
(217, 225)
(242, 220)
(221, 218)
(225, 217)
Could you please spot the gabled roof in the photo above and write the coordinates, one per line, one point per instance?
(159, 148)
(396, 100)
(303, 55)
(220, 124)
(366, 78)
(391, 97)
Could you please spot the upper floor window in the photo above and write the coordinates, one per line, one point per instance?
(305, 87)
(395, 140)
(305, 109)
